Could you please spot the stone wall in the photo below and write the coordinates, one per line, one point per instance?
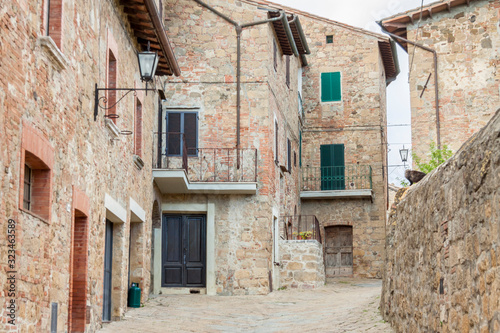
(467, 42)
(301, 264)
(443, 245)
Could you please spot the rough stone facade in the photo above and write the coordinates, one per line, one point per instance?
(443, 245)
(302, 264)
(467, 42)
(47, 103)
(206, 49)
(357, 121)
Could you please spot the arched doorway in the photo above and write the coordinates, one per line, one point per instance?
(338, 251)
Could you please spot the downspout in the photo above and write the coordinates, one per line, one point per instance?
(436, 90)
(239, 28)
(302, 38)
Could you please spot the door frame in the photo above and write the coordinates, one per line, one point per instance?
(207, 209)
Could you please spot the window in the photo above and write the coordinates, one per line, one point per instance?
(112, 68)
(53, 20)
(295, 159)
(35, 179)
(287, 71)
(331, 90)
(28, 179)
(275, 55)
(182, 130)
(289, 155)
(329, 39)
(276, 143)
(138, 128)
(332, 167)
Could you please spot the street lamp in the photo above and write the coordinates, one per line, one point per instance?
(404, 155)
(148, 61)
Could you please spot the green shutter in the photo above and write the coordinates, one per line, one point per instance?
(331, 87)
(332, 167)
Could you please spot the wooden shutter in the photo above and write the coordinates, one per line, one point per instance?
(331, 87)
(276, 141)
(173, 138)
(289, 150)
(191, 132)
(332, 167)
(288, 71)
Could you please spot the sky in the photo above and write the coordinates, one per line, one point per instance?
(364, 14)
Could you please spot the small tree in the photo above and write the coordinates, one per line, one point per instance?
(436, 158)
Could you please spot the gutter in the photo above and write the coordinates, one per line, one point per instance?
(436, 90)
(162, 36)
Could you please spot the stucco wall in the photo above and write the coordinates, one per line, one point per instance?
(443, 245)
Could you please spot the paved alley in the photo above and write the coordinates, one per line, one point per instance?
(347, 305)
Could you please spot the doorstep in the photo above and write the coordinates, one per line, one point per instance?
(183, 291)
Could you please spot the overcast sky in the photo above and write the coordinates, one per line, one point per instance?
(363, 14)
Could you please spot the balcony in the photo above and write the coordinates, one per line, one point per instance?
(179, 169)
(300, 227)
(351, 181)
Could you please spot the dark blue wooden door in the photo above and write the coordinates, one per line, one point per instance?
(108, 263)
(184, 251)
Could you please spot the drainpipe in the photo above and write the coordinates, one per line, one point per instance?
(239, 28)
(436, 92)
(302, 37)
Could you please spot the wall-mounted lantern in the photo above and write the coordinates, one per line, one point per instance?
(404, 155)
(148, 61)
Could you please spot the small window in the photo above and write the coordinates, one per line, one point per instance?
(331, 89)
(289, 155)
(182, 130)
(53, 19)
(276, 143)
(288, 71)
(28, 179)
(329, 39)
(295, 159)
(138, 128)
(111, 98)
(275, 56)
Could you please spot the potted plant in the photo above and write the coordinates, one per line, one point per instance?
(305, 234)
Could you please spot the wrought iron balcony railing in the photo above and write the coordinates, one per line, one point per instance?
(174, 151)
(349, 177)
(300, 227)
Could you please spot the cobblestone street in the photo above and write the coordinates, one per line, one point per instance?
(347, 305)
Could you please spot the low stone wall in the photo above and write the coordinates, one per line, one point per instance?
(442, 268)
(302, 264)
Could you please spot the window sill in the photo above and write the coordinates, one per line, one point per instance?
(112, 128)
(139, 163)
(53, 51)
(34, 215)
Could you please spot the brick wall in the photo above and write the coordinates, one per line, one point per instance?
(57, 101)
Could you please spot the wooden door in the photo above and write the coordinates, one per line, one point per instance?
(183, 251)
(338, 249)
(108, 263)
(332, 167)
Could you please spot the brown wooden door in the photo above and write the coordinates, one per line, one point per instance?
(338, 249)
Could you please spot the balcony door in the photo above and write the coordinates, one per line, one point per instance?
(184, 251)
(332, 167)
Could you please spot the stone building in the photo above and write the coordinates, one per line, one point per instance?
(75, 190)
(238, 178)
(464, 37)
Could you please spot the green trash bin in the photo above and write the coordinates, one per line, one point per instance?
(134, 296)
